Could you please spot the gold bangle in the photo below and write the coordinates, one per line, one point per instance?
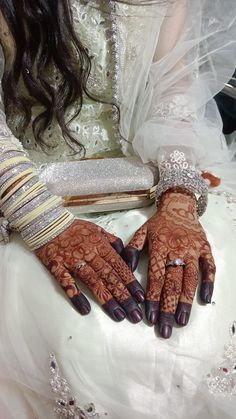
(14, 179)
(18, 186)
(28, 195)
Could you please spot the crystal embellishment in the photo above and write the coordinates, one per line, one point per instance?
(222, 379)
(66, 406)
(4, 231)
(186, 178)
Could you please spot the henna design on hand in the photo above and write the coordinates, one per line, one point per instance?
(87, 252)
(174, 232)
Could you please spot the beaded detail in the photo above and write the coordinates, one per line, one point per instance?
(222, 379)
(66, 406)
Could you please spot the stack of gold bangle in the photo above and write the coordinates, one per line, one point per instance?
(25, 201)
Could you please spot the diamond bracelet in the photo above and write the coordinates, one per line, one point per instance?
(189, 179)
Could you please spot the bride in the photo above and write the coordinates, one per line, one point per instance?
(110, 79)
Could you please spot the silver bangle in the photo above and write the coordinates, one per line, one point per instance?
(41, 222)
(10, 155)
(38, 199)
(55, 234)
(10, 201)
(189, 179)
(13, 172)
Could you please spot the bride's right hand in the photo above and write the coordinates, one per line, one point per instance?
(87, 252)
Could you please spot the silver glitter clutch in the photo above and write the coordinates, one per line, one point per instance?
(96, 185)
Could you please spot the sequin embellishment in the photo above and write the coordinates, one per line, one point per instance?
(222, 379)
(66, 406)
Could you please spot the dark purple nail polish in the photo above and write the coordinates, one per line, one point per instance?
(206, 291)
(84, 310)
(152, 311)
(137, 291)
(183, 313)
(113, 310)
(81, 304)
(136, 316)
(131, 257)
(140, 296)
(165, 331)
(119, 314)
(208, 299)
(132, 310)
(183, 318)
(152, 318)
(118, 246)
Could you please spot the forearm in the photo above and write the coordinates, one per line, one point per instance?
(27, 204)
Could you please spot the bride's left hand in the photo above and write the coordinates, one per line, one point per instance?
(174, 232)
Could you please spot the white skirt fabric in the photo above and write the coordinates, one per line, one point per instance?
(126, 370)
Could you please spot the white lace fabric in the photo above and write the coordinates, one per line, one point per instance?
(164, 101)
(128, 369)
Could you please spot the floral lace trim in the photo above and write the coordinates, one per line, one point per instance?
(178, 108)
(176, 160)
(222, 379)
(66, 406)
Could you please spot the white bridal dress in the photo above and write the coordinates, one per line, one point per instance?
(162, 63)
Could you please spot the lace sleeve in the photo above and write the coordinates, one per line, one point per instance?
(195, 56)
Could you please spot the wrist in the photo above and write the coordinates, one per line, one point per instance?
(177, 196)
(185, 179)
(179, 204)
(178, 190)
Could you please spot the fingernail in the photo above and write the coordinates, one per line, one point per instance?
(131, 257)
(119, 314)
(165, 331)
(136, 291)
(184, 317)
(208, 299)
(84, 310)
(206, 291)
(118, 246)
(152, 317)
(136, 316)
(140, 296)
(134, 262)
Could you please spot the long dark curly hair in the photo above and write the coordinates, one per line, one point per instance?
(43, 35)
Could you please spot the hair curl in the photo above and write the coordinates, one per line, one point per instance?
(44, 36)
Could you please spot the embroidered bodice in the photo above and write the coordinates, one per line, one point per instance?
(114, 47)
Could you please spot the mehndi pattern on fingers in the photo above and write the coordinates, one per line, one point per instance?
(84, 251)
(174, 232)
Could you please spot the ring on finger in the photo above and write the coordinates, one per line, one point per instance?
(175, 262)
(80, 265)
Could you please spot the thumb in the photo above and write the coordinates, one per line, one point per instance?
(132, 251)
